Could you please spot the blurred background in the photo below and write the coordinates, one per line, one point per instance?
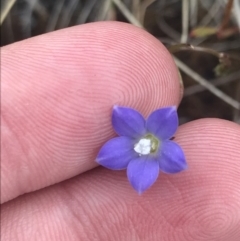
(202, 35)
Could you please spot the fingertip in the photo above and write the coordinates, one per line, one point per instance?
(211, 147)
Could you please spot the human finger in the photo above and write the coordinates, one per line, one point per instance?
(200, 204)
(58, 90)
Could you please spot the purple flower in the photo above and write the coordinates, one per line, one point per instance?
(143, 146)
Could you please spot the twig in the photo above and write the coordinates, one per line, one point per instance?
(185, 20)
(206, 84)
(220, 55)
(236, 9)
(67, 13)
(216, 82)
(212, 13)
(104, 11)
(236, 114)
(51, 25)
(144, 5)
(26, 18)
(226, 16)
(41, 10)
(193, 12)
(136, 9)
(224, 46)
(6, 9)
(127, 14)
(84, 14)
(168, 30)
(7, 28)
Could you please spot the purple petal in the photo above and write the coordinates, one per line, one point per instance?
(172, 159)
(116, 153)
(163, 123)
(128, 122)
(142, 172)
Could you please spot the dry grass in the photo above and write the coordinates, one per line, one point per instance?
(196, 33)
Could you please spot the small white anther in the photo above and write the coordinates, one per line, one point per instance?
(143, 147)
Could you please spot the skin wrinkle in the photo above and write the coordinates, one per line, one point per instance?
(6, 173)
(149, 220)
(92, 220)
(104, 209)
(72, 204)
(131, 226)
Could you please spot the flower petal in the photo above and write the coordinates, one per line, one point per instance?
(163, 122)
(142, 172)
(116, 153)
(128, 122)
(172, 158)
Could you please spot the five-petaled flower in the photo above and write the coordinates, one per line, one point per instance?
(143, 146)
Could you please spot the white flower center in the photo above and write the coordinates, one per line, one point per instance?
(143, 147)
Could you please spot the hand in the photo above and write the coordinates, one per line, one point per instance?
(57, 95)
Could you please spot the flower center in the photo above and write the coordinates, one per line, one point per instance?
(146, 145)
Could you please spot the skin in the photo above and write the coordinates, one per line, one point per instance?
(58, 91)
